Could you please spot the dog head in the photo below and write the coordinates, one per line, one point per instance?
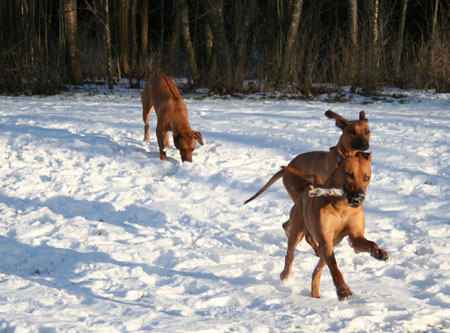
(353, 176)
(355, 133)
(185, 143)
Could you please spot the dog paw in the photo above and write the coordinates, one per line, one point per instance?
(285, 275)
(344, 293)
(380, 254)
(163, 156)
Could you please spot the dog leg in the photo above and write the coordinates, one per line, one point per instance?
(361, 244)
(166, 139)
(316, 278)
(146, 111)
(310, 240)
(295, 236)
(160, 137)
(287, 228)
(327, 254)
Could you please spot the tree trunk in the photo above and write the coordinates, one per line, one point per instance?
(401, 31)
(70, 16)
(135, 74)
(123, 41)
(288, 54)
(173, 42)
(353, 23)
(434, 20)
(108, 47)
(210, 58)
(221, 46)
(185, 32)
(375, 22)
(144, 31)
(248, 10)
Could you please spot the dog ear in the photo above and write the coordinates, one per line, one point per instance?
(198, 137)
(367, 156)
(362, 115)
(176, 140)
(341, 122)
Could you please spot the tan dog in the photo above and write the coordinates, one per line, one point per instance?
(162, 94)
(330, 219)
(355, 137)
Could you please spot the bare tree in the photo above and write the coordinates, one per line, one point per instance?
(247, 9)
(288, 53)
(353, 23)
(185, 32)
(376, 8)
(400, 33)
(221, 45)
(144, 30)
(70, 16)
(102, 16)
(123, 40)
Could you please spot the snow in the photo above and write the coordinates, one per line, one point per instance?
(98, 234)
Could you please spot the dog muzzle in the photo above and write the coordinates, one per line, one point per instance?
(355, 198)
(360, 144)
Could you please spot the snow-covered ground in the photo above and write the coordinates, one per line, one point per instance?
(98, 234)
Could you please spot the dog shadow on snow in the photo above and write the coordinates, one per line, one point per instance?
(62, 268)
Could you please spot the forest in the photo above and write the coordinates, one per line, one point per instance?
(295, 46)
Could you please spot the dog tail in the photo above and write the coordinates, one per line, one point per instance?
(272, 180)
(172, 87)
(317, 180)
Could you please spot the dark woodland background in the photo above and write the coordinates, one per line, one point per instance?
(283, 45)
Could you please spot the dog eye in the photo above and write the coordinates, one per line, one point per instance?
(351, 175)
(367, 132)
(366, 178)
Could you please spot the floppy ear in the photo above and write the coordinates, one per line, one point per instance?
(362, 115)
(198, 137)
(176, 140)
(367, 156)
(341, 122)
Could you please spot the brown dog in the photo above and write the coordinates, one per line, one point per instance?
(355, 137)
(330, 219)
(162, 94)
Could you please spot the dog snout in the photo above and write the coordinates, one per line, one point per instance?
(355, 198)
(360, 144)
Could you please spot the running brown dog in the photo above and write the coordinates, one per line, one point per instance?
(161, 93)
(329, 219)
(355, 137)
